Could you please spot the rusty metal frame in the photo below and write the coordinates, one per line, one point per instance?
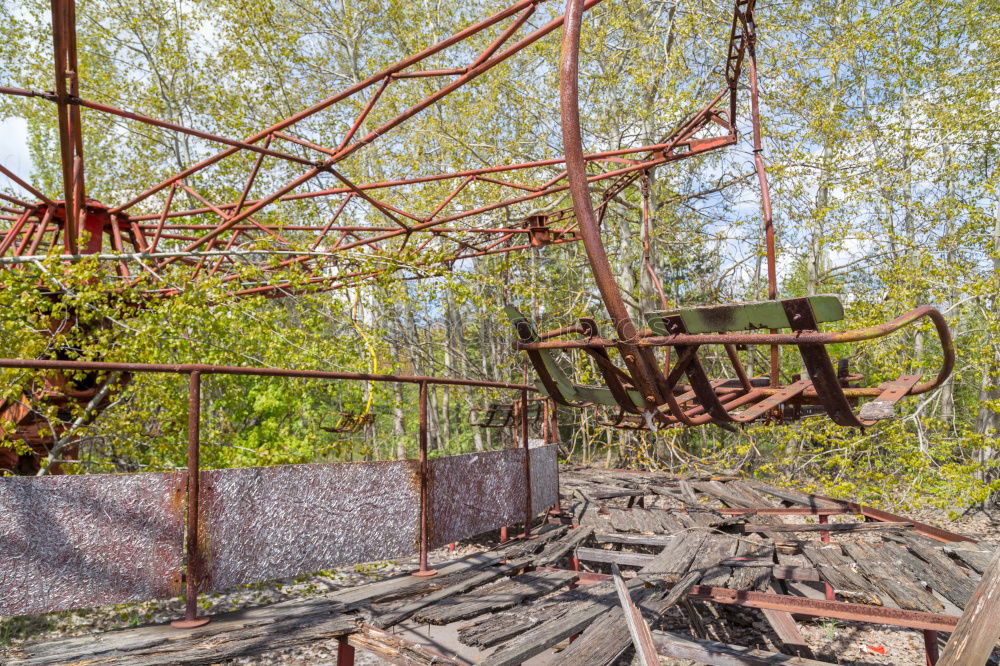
(194, 546)
(441, 236)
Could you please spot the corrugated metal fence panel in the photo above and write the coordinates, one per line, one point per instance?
(474, 493)
(79, 541)
(262, 523)
(544, 477)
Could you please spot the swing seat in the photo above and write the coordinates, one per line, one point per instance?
(349, 423)
(552, 381)
(497, 416)
(725, 402)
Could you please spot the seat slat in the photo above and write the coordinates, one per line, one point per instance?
(744, 316)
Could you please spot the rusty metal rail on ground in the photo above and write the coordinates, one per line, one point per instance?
(455, 498)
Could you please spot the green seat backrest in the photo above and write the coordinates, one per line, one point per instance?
(570, 391)
(744, 316)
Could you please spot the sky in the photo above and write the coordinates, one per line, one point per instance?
(14, 151)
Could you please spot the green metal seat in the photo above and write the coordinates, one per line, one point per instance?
(553, 382)
(769, 315)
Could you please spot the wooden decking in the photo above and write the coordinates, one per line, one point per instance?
(721, 542)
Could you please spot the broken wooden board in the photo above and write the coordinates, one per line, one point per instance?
(495, 598)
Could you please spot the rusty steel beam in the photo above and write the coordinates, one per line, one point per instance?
(205, 369)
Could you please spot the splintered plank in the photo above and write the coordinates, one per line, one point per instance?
(634, 539)
(607, 638)
(637, 627)
(397, 650)
(715, 653)
(495, 598)
(600, 598)
(671, 562)
(713, 551)
(837, 570)
(751, 577)
(975, 557)
(496, 629)
(875, 564)
(717, 490)
(669, 523)
(384, 620)
(241, 633)
(556, 550)
(949, 582)
(979, 627)
(621, 520)
(613, 557)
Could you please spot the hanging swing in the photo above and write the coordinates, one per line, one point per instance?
(505, 415)
(651, 393)
(349, 423)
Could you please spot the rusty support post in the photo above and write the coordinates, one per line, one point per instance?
(345, 653)
(191, 618)
(503, 534)
(824, 536)
(423, 570)
(528, 514)
(931, 646)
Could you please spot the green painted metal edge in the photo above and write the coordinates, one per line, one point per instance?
(570, 391)
(744, 316)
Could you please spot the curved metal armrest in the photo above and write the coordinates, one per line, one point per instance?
(888, 328)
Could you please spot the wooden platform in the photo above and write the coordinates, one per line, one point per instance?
(724, 542)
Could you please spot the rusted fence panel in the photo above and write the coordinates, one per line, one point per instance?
(476, 492)
(78, 541)
(262, 523)
(544, 477)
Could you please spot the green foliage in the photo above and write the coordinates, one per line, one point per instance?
(879, 136)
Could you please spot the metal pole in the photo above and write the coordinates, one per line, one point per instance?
(931, 646)
(345, 653)
(191, 618)
(423, 570)
(528, 513)
(824, 536)
(765, 193)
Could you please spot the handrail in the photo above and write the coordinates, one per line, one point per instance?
(189, 368)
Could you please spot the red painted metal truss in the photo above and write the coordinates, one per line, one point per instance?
(153, 229)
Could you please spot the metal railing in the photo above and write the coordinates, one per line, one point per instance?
(192, 486)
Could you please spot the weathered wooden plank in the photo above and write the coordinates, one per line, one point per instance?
(466, 583)
(978, 560)
(601, 598)
(642, 640)
(978, 629)
(613, 557)
(674, 559)
(949, 582)
(669, 523)
(715, 653)
(633, 539)
(838, 571)
(713, 551)
(555, 551)
(494, 598)
(751, 577)
(228, 636)
(717, 490)
(876, 566)
(396, 650)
